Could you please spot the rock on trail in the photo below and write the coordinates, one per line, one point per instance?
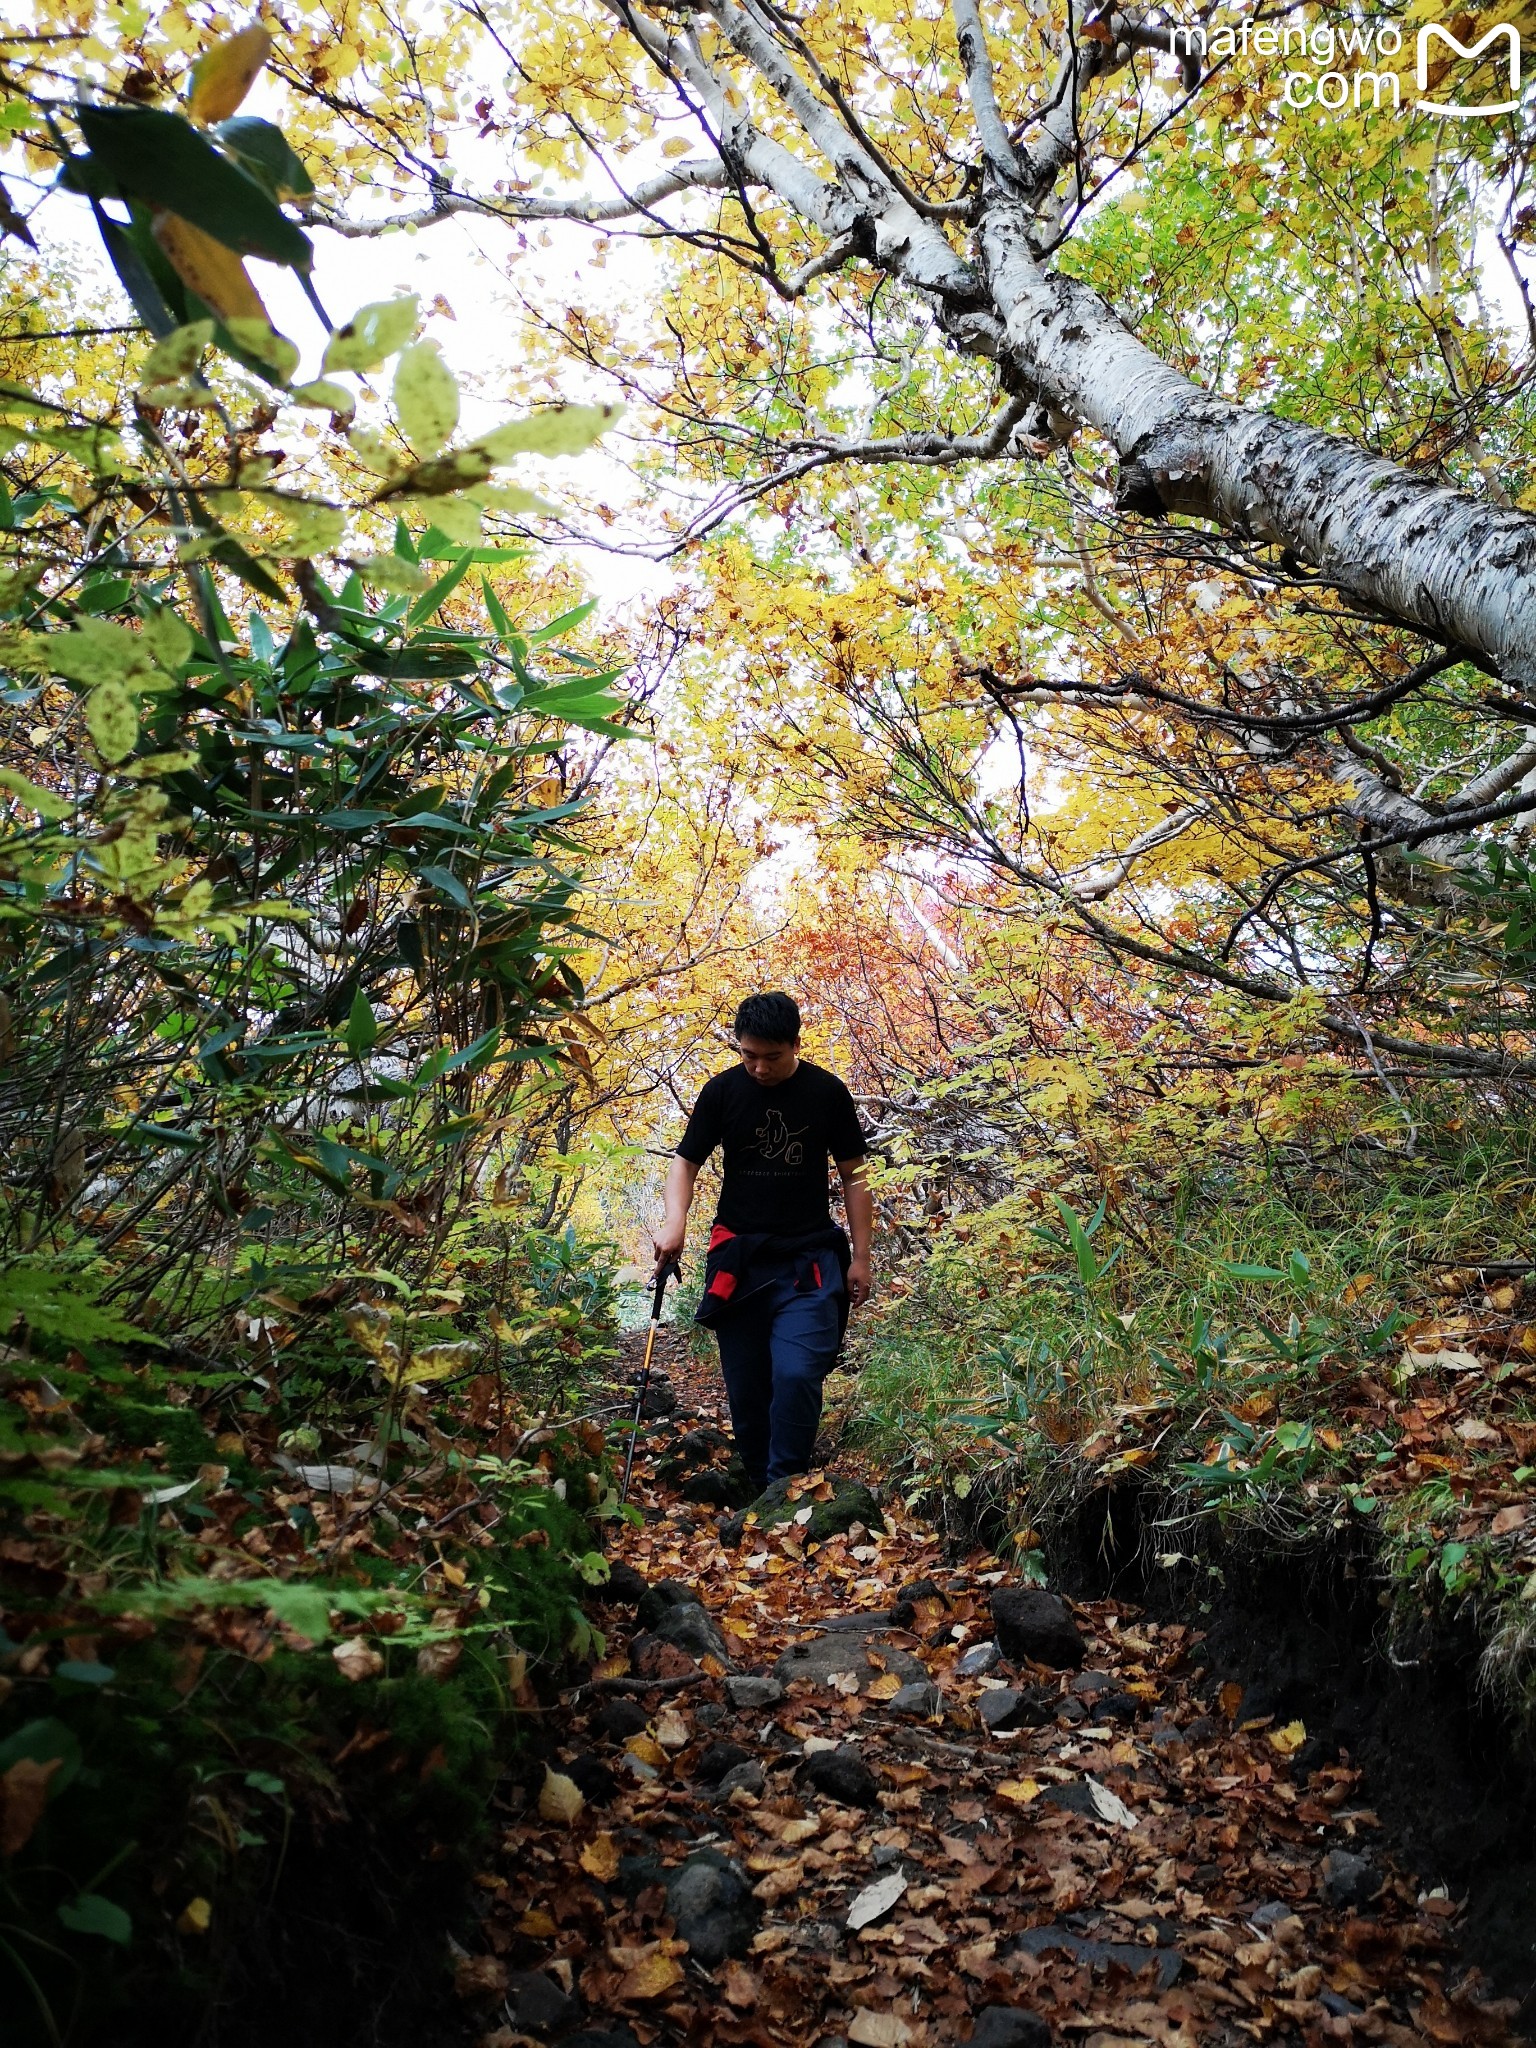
(1056, 1823)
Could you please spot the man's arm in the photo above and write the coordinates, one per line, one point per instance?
(668, 1241)
(860, 1205)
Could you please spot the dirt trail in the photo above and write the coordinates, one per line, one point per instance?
(1093, 1840)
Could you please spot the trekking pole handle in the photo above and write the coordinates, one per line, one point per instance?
(669, 1269)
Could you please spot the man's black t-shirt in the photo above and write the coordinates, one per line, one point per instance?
(776, 1143)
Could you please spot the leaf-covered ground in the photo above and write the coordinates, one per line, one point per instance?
(1117, 1851)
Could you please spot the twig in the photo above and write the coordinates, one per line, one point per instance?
(642, 1684)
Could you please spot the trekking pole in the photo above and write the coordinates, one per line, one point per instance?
(669, 1269)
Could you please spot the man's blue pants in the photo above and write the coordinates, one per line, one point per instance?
(776, 1348)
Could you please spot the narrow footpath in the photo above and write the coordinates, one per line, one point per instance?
(829, 1785)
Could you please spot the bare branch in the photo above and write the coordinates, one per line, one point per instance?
(707, 172)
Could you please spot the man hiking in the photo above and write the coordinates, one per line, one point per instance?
(781, 1276)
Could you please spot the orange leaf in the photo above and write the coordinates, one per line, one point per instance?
(600, 1858)
(23, 1795)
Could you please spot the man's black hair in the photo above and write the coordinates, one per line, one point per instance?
(775, 1017)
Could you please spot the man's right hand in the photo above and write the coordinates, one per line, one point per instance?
(668, 1244)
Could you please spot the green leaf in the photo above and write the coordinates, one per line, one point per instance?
(562, 430)
(445, 585)
(324, 396)
(274, 351)
(1252, 1272)
(448, 883)
(178, 355)
(43, 801)
(161, 159)
(426, 395)
(264, 153)
(87, 1673)
(90, 1913)
(112, 719)
(373, 333)
(362, 1032)
(566, 623)
(169, 639)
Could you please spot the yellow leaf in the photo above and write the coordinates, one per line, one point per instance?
(195, 1917)
(885, 1687)
(560, 1799)
(222, 78)
(600, 1859)
(206, 267)
(653, 1978)
(613, 1667)
(1288, 1739)
(647, 1751)
(1019, 1790)
(537, 1924)
(1357, 1287)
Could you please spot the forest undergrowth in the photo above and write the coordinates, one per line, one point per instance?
(1274, 1353)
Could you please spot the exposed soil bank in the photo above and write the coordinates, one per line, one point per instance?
(1304, 1630)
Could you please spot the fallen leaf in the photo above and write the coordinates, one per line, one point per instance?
(1473, 1430)
(649, 1751)
(613, 1667)
(1019, 1790)
(196, 1917)
(357, 1660)
(1108, 1806)
(440, 1660)
(560, 1799)
(1231, 1698)
(742, 1987)
(23, 1795)
(885, 1687)
(879, 2029)
(672, 1731)
(480, 1977)
(1289, 1738)
(537, 1925)
(600, 1858)
(653, 1978)
(876, 1900)
(1506, 1520)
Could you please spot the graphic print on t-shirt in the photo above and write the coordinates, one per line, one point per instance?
(775, 1141)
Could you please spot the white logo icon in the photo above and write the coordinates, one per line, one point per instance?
(1421, 67)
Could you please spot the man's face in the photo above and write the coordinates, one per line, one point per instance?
(769, 1060)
